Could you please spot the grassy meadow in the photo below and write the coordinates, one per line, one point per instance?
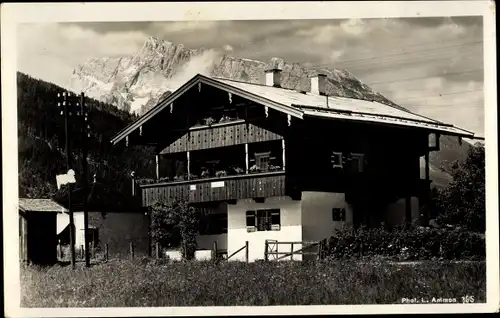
(150, 283)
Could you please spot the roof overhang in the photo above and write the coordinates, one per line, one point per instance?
(206, 81)
(298, 111)
(431, 126)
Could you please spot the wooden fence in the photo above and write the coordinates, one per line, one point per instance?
(215, 252)
(272, 249)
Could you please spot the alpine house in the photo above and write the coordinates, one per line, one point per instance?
(269, 163)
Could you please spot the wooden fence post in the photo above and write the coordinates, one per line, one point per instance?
(215, 250)
(246, 251)
(82, 252)
(266, 257)
(157, 250)
(131, 250)
(291, 251)
(106, 255)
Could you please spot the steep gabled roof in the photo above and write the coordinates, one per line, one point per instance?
(300, 105)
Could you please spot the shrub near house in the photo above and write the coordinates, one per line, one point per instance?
(407, 245)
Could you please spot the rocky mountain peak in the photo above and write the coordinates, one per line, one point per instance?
(137, 82)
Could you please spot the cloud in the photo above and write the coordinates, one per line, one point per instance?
(50, 50)
(227, 47)
(201, 64)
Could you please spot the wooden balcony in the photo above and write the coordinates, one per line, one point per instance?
(245, 186)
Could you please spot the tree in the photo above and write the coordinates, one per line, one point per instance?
(463, 201)
(175, 224)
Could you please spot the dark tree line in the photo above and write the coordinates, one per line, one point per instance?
(41, 140)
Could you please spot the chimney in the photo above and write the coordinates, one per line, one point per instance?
(318, 84)
(273, 77)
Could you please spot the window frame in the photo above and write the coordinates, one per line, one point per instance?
(339, 157)
(269, 223)
(258, 156)
(360, 158)
(338, 214)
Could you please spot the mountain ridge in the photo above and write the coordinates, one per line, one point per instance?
(135, 82)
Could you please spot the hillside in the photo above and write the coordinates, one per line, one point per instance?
(41, 141)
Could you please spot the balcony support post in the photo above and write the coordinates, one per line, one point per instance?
(188, 166)
(157, 157)
(283, 149)
(246, 158)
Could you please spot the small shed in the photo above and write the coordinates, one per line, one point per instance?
(115, 218)
(37, 230)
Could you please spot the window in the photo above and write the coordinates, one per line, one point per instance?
(263, 220)
(357, 162)
(213, 224)
(337, 159)
(338, 214)
(262, 160)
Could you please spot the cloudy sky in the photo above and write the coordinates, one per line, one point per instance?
(433, 66)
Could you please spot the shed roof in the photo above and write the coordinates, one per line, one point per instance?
(40, 205)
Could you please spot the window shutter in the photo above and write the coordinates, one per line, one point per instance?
(275, 220)
(251, 221)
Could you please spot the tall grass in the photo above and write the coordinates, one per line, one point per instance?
(147, 283)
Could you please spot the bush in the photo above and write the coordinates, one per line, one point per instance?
(175, 224)
(463, 201)
(404, 245)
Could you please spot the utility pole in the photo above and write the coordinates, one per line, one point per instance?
(84, 116)
(66, 111)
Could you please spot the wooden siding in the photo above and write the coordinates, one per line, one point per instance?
(220, 136)
(23, 237)
(228, 188)
(38, 232)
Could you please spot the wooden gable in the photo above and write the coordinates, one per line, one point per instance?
(236, 133)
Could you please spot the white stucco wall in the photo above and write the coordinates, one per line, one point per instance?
(317, 220)
(291, 229)
(63, 221)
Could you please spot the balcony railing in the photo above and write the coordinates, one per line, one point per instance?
(255, 185)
